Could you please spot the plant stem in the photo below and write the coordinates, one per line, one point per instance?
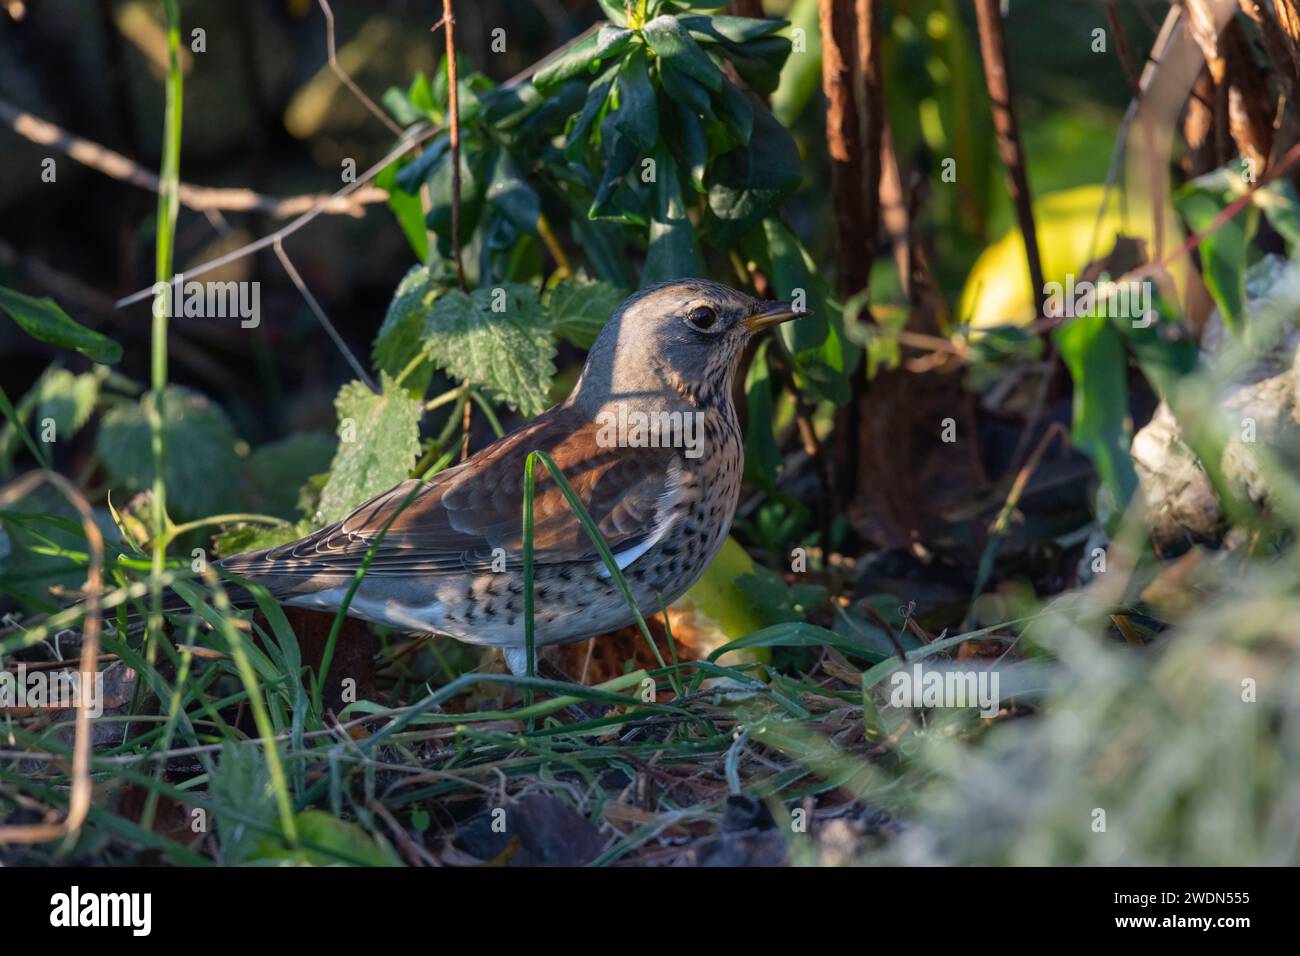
(168, 206)
(453, 123)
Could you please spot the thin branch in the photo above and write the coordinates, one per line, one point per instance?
(322, 317)
(843, 143)
(993, 49)
(1122, 51)
(199, 198)
(871, 111)
(347, 80)
(414, 137)
(453, 124)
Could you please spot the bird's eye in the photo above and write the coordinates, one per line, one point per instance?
(702, 318)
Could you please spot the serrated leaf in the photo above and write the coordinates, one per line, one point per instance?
(678, 49)
(401, 336)
(580, 307)
(379, 440)
(201, 467)
(43, 320)
(509, 350)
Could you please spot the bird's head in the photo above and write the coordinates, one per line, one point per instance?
(683, 336)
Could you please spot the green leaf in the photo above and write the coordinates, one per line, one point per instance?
(735, 111)
(762, 457)
(677, 48)
(619, 154)
(748, 183)
(720, 28)
(575, 142)
(413, 175)
(822, 357)
(474, 169)
(496, 338)
(43, 320)
(1093, 350)
(1282, 208)
(275, 472)
(65, 399)
(674, 250)
(798, 634)
(401, 336)
(255, 537)
(688, 141)
(407, 209)
(585, 57)
(511, 197)
(201, 466)
(326, 841)
(379, 440)
(580, 307)
(636, 117)
(615, 10)
(759, 63)
(687, 93)
(1223, 251)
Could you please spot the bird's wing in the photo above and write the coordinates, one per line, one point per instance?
(456, 520)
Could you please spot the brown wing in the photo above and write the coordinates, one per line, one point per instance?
(456, 520)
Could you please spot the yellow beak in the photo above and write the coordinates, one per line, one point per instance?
(772, 313)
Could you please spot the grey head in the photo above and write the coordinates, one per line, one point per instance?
(675, 341)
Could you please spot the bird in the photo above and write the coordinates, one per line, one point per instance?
(650, 442)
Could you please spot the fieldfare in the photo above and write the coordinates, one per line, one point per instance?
(648, 439)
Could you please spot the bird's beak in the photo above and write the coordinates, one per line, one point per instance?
(772, 313)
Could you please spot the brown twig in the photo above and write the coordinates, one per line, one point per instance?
(871, 117)
(993, 49)
(844, 143)
(453, 124)
(1122, 52)
(199, 198)
(321, 317)
(80, 792)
